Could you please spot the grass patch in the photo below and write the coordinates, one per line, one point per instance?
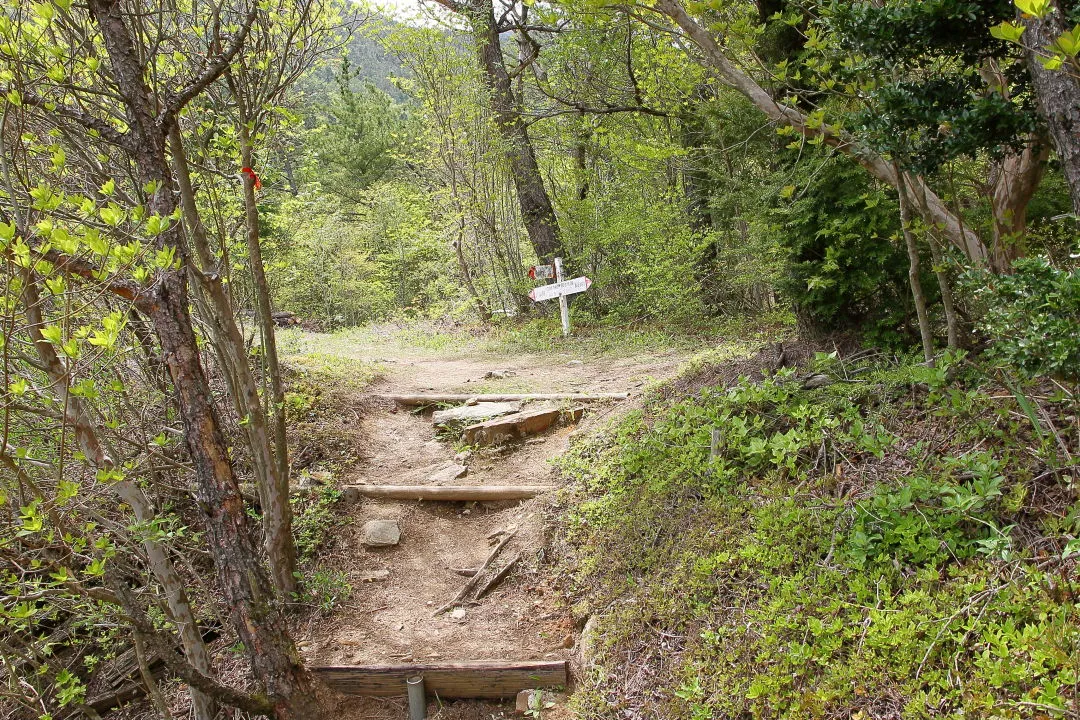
(900, 546)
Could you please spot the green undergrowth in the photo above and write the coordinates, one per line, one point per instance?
(901, 543)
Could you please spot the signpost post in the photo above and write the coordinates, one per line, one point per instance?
(560, 289)
(564, 310)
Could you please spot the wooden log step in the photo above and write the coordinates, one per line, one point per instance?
(452, 493)
(455, 398)
(490, 679)
(516, 426)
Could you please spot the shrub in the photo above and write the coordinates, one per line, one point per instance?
(1033, 317)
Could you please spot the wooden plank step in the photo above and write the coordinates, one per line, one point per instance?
(517, 426)
(422, 399)
(489, 679)
(452, 493)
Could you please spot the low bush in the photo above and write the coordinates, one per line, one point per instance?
(899, 544)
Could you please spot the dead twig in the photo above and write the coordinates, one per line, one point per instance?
(498, 577)
(471, 583)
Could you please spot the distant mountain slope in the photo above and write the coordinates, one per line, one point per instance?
(367, 57)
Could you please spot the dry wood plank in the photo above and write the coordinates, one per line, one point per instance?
(424, 399)
(517, 425)
(473, 679)
(452, 493)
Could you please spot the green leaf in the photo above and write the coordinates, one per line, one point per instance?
(1036, 8)
(1069, 42)
(1053, 62)
(1008, 32)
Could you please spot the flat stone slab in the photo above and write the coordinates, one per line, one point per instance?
(381, 533)
(473, 413)
(448, 474)
(517, 425)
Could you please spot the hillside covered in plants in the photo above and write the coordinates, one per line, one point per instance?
(665, 359)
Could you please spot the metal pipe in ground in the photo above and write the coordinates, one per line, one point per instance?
(417, 700)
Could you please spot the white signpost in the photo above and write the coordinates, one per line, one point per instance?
(560, 289)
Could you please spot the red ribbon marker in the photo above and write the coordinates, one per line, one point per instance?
(249, 171)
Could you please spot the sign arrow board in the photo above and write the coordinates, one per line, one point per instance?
(567, 287)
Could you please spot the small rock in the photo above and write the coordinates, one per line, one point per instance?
(448, 474)
(350, 495)
(816, 381)
(499, 374)
(466, 511)
(374, 575)
(472, 401)
(381, 533)
(463, 457)
(458, 613)
(586, 653)
(575, 363)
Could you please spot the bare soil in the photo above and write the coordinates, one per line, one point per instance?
(392, 620)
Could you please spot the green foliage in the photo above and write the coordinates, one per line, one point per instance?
(313, 519)
(850, 551)
(940, 86)
(1032, 315)
(324, 590)
(355, 134)
(843, 270)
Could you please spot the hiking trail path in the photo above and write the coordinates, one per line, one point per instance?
(390, 616)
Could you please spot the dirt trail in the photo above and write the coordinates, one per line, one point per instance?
(392, 620)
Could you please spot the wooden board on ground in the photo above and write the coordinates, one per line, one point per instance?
(452, 493)
(472, 679)
(436, 398)
(517, 426)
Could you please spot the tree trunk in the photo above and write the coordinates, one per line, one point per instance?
(1058, 93)
(952, 322)
(277, 516)
(242, 579)
(537, 212)
(231, 351)
(913, 276)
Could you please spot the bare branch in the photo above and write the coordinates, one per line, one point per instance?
(176, 102)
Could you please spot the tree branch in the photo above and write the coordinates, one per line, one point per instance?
(102, 128)
(175, 662)
(175, 102)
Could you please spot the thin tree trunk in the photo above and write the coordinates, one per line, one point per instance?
(466, 275)
(952, 322)
(89, 441)
(277, 516)
(242, 579)
(537, 211)
(231, 350)
(152, 688)
(1058, 94)
(913, 276)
